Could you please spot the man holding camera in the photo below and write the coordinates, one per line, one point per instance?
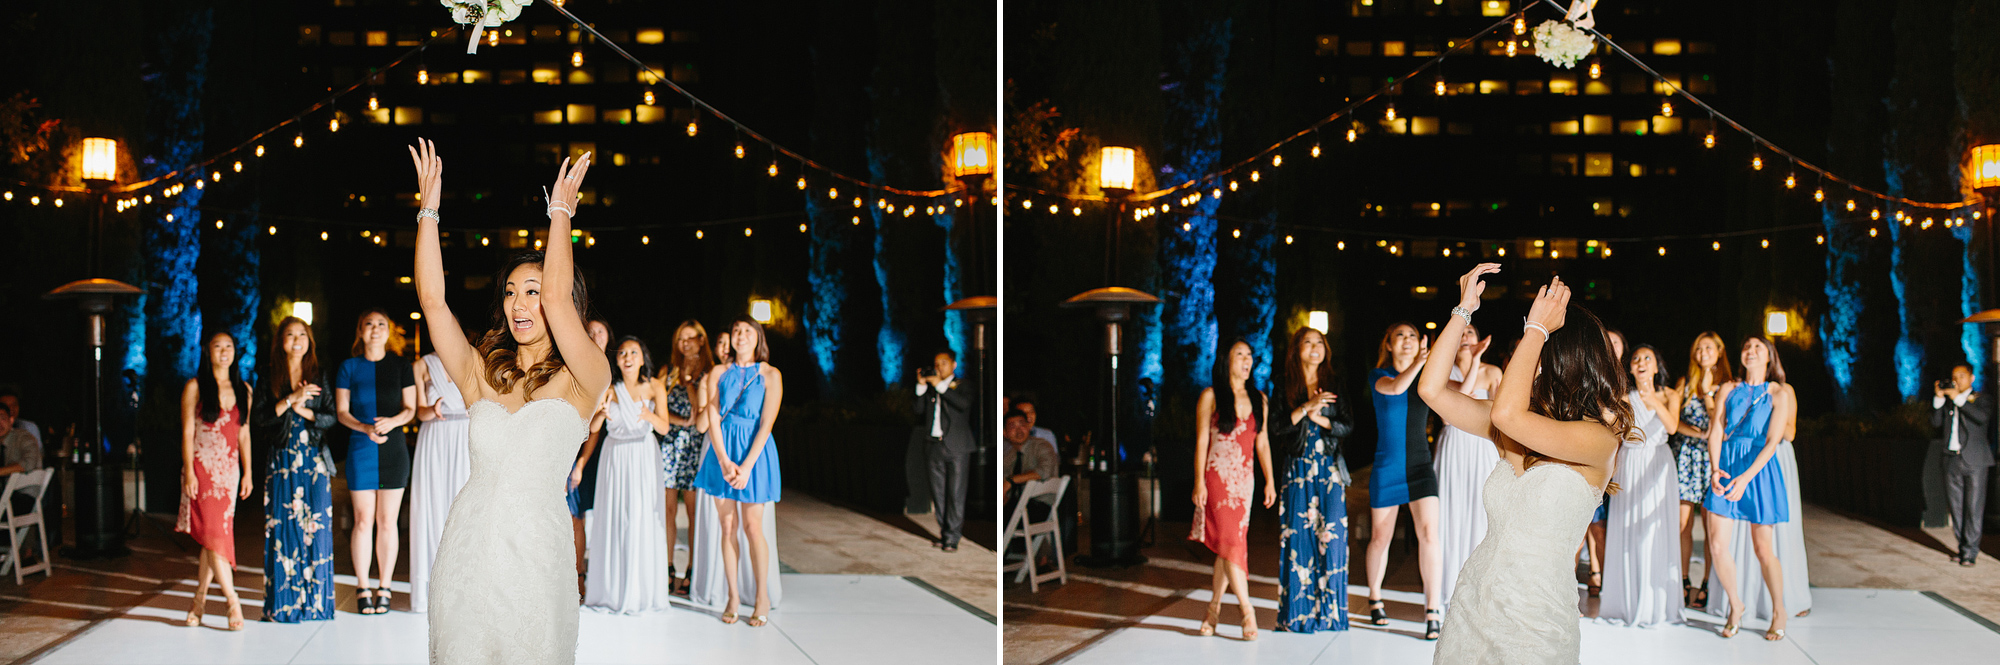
(944, 423)
(1964, 453)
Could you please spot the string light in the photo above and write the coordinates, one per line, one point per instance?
(1277, 161)
(1074, 212)
(1236, 233)
(1596, 69)
(1767, 243)
(1717, 245)
(1350, 135)
(739, 149)
(643, 240)
(1871, 231)
(218, 224)
(260, 150)
(746, 231)
(1667, 109)
(1187, 226)
(1052, 208)
(1875, 213)
(1819, 194)
(373, 103)
(834, 193)
(333, 125)
(1438, 87)
(1513, 46)
(857, 220)
(802, 182)
(198, 184)
(1254, 176)
(59, 202)
(1390, 114)
(576, 58)
(650, 100)
(1757, 162)
(1288, 240)
(1850, 205)
(694, 127)
(272, 230)
(1663, 250)
(1520, 24)
(1232, 185)
(322, 236)
(772, 169)
(238, 167)
(299, 141)
(697, 234)
(802, 228)
(1709, 140)
(423, 76)
(1791, 181)
(1341, 245)
(1315, 152)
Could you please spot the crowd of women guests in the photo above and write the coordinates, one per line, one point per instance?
(691, 436)
(1713, 444)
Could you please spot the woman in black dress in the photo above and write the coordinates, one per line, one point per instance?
(375, 393)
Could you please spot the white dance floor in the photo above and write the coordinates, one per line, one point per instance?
(827, 620)
(1846, 627)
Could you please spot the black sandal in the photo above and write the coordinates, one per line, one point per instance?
(1433, 627)
(1701, 597)
(1596, 586)
(364, 600)
(1687, 593)
(382, 597)
(1376, 614)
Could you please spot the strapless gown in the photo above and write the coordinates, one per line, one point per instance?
(1516, 598)
(503, 589)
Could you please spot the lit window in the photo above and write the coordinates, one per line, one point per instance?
(1597, 165)
(1701, 84)
(547, 72)
(1634, 127)
(1564, 128)
(1666, 125)
(477, 76)
(1424, 125)
(381, 116)
(1562, 164)
(581, 114)
(1597, 124)
(1494, 7)
(1601, 207)
(1394, 48)
(1398, 126)
(582, 75)
(576, 150)
(1492, 87)
(409, 115)
(1666, 47)
(616, 116)
(1668, 86)
(1637, 170)
(1533, 87)
(650, 36)
(549, 117)
(1562, 84)
(647, 115)
(378, 37)
(513, 76)
(1596, 88)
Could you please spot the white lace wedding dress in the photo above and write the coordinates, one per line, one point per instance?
(503, 589)
(1516, 598)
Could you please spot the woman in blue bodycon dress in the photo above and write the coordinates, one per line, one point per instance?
(1746, 484)
(1402, 468)
(375, 393)
(743, 398)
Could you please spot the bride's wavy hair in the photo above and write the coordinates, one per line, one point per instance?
(498, 347)
(1580, 380)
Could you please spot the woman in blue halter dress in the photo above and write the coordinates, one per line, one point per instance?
(1747, 458)
(746, 395)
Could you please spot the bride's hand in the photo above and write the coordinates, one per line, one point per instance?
(569, 180)
(430, 174)
(1551, 305)
(1470, 286)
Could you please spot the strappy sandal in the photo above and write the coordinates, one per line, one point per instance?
(729, 617)
(1774, 635)
(1250, 628)
(236, 617)
(1433, 627)
(1700, 597)
(1377, 614)
(1214, 617)
(1729, 629)
(758, 621)
(364, 600)
(200, 606)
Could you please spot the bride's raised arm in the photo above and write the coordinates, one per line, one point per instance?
(1456, 408)
(461, 361)
(566, 327)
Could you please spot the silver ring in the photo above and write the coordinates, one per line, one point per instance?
(569, 177)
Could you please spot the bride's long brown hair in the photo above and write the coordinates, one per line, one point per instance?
(498, 347)
(1579, 380)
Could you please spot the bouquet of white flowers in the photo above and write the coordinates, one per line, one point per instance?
(1562, 44)
(483, 14)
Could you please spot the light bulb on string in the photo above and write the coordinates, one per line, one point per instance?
(1217, 193)
(1438, 86)
(1315, 152)
(1791, 181)
(1232, 185)
(1667, 109)
(333, 124)
(1277, 161)
(1596, 69)
(1871, 231)
(148, 198)
(1717, 245)
(238, 167)
(694, 127)
(260, 150)
(912, 209)
(772, 169)
(832, 193)
(1709, 140)
(373, 102)
(649, 96)
(217, 176)
(322, 235)
(645, 240)
(299, 141)
(1255, 176)
(802, 228)
(1513, 46)
(1819, 194)
(423, 76)
(697, 234)
(1389, 114)
(1350, 135)
(1757, 162)
(1767, 243)
(1520, 24)
(802, 182)
(857, 220)
(1875, 213)
(1074, 212)
(198, 184)
(576, 58)
(746, 231)
(739, 149)
(1052, 208)
(1850, 205)
(493, 37)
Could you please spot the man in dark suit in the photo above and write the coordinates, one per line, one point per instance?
(1964, 453)
(944, 424)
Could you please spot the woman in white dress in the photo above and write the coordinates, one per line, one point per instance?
(439, 470)
(1641, 552)
(502, 588)
(629, 552)
(1558, 419)
(1464, 461)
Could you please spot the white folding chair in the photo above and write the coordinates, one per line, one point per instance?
(1020, 526)
(30, 484)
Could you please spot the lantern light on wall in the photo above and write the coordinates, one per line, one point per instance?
(1986, 166)
(760, 310)
(1317, 320)
(972, 154)
(1114, 168)
(1777, 323)
(303, 310)
(100, 159)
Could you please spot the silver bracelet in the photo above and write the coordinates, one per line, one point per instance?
(429, 212)
(1537, 327)
(1462, 313)
(553, 208)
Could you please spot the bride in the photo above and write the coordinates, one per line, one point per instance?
(501, 590)
(1558, 429)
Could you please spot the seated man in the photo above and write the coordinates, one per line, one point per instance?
(1026, 405)
(19, 452)
(12, 400)
(1027, 459)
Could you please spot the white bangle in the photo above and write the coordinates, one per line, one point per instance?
(431, 213)
(553, 208)
(1537, 327)
(1462, 313)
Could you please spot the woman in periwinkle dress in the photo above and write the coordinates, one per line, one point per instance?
(741, 475)
(1640, 566)
(1747, 485)
(1230, 446)
(1312, 546)
(438, 470)
(630, 554)
(298, 494)
(1402, 472)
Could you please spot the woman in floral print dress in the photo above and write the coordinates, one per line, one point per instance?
(1230, 440)
(215, 470)
(1312, 546)
(681, 449)
(297, 409)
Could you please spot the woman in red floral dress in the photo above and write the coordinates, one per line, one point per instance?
(215, 469)
(1228, 436)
